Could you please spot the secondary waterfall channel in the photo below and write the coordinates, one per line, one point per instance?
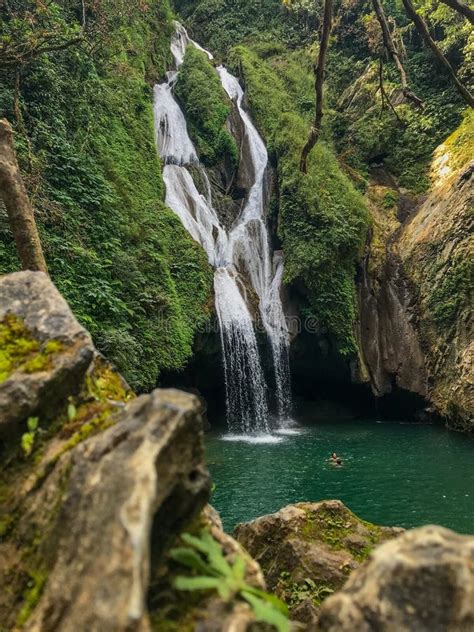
(244, 250)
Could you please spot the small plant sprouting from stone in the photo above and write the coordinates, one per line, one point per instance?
(204, 556)
(307, 589)
(71, 411)
(28, 438)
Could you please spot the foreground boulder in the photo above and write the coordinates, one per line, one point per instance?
(308, 550)
(99, 486)
(44, 352)
(421, 582)
(82, 535)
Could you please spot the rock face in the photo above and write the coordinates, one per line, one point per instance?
(45, 353)
(421, 582)
(129, 489)
(102, 488)
(308, 550)
(390, 346)
(436, 250)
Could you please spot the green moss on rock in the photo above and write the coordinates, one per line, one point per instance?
(21, 351)
(206, 106)
(322, 219)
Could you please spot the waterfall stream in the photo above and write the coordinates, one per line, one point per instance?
(243, 251)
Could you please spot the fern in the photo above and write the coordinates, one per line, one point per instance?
(204, 556)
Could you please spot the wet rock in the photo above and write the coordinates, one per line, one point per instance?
(421, 582)
(390, 348)
(45, 351)
(308, 550)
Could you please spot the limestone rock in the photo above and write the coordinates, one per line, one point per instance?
(421, 582)
(206, 612)
(107, 510)
(45, 351)
(307, 551)
(390, 353)
(436, 250)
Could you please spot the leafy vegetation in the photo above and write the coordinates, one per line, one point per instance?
(204, 556)
(28, 438)
(221, 24)
(123, 261)
(206, 107)
(322, 219)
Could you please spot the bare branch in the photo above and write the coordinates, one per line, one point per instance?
(425, 34)
(461, 7)
(315, 131)
(393, 52)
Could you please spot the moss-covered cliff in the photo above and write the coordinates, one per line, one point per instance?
(84, 132)
(341, 259)
(436, 249)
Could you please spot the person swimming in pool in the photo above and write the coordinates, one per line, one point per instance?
(335, 460)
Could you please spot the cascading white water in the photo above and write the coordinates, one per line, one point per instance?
(249, 242)
(245, 249)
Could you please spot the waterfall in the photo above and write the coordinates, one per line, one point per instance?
(243, 252)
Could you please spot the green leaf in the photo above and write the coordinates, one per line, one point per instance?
(27, 441)
(197, 543)
(273, 599)
(189, 557)
(238, 569)
(215, 555)
(197, 583)
(71, 412)
(32, 423)
(266, 612)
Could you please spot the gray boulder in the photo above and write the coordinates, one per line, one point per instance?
(110, 506)
(308, 550)
(45, 351)
(421, 582)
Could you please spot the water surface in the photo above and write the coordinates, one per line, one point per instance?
(393, 473)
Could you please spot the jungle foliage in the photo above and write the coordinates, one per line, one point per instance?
(85, 139)
(322, 219)
(206, 107)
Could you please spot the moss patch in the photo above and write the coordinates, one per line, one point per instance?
(206, 106)
(333, 525)
(21, 351)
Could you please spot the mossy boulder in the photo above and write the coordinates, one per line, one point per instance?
(421, 582)
(308, 550)
(44, 353)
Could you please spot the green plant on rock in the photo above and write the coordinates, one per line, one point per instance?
(295, 592)
(28, 438)
(204, 556)
(206, 106)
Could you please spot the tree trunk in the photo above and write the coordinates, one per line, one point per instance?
(315, 131)
(461, 7)
(19, 209)
(423, 31)
(393, 52)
